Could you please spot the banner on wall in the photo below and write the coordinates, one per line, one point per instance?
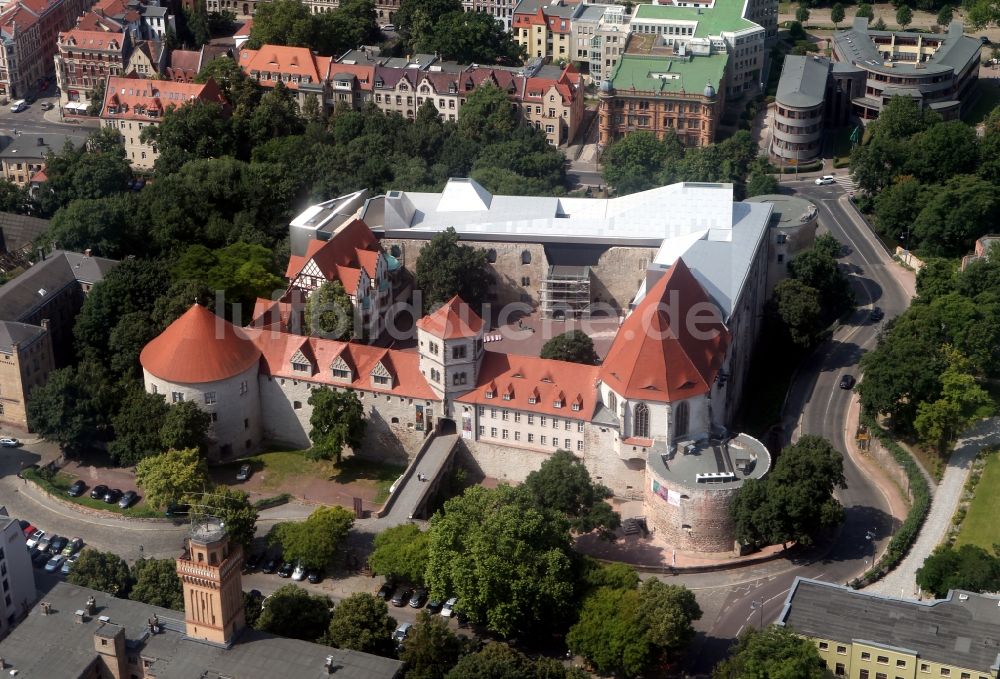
(419, 418)
(672, 497)
(466, 424)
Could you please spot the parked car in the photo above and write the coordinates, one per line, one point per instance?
(399, 636)
(448, 609)
(112, 495)
(877, 314)
(244, 473)
(47, 106)
(68, 564)
(252, 562)
(847, 382)
(39, 559)
(385, 591)
(128, 499)
(824, 180)
(58, 544)
(434, 606)
(43, 544)
(18, 106)
(401, 596)
(30, 99)
(286, 570)
(177, 509)
(299, 573)
(98, 492)
(314, 575)
(27, 529)
(389, 28)
(55, 563)
(72, 547)
(33, 539)
(272, 564)
(418, 598)
(9, 443)
(77, 489)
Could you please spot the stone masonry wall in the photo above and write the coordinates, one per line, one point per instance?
(618, 274)
(701, 523)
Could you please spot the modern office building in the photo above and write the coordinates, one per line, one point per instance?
(17, 581)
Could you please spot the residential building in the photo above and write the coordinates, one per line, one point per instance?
(599, 36)
(718, 27)
(147, 19)
(25, 154)
(132, 104)
(29, 32)
(157, 22)
(554, 105)
(18, 233)
(298, 69)
(938, 70)
(501, 10)
(88, 633)
(350, 85)
(17, 582)
(148, 59)
(862, 635)
(37, 312)
(657, 88)
(85, 61)
(185, 65)
(544, 29)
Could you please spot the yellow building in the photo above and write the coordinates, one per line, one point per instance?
(545, 30)
(868, 636)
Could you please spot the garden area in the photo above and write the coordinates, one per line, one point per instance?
(979, 526)
(58, 483)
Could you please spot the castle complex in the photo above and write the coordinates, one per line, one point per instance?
(650, 422)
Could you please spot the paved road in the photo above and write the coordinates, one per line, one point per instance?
(816, 405)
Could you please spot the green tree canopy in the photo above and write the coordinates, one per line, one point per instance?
(338, 420)
(102, 224)
(170, 476)
(800, 310)
(817, 269)
(837, 14)
(315, 542)
(293, 612)
(962, 402)
(904, 16)
(802, 14)
(865, 10)
(431, 648)
(474, 37)
(234, 509)
(73, 407)
(944, 16)
(138, 425)
(102, 571)
(329, 312)
(968, 567)
(199, 129)
(157, 584)
(446, 268)
(574, 346)
(634, 162)
(401, 552)
(417, 19)
(242, 271)
(562, 484)
(771, 653)
(185, 426)
(954, 215)
(500, 661)
(361, 622)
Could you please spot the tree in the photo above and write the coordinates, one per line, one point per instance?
(802, 14)
(233, 508)
(138, 426)
(241, 271)
(157, 584)
(519, 582)
(474, 37)
(945, 16)
(562, 484)
(902, 118)
(962, 402)
(799, 308)
(96, 103)
(771, 652)
(897, 207)
(338, 420)
(954, 216)
(329, 312)
(865, 10)
(837, 14)
(73, 407)
(14, 198)
(795, 501)
(879, 25)
(170, 476)
(199, 129)
(968, 567)
(401, 552)
(276, 115)
(431, 648)
(196, 24)
(761, 183)
(487, 116)
(573, 346)
(446, 268)
(416, 19)
(500, 661)
(237, 88)
(952, 148)
(980, 13)
(819, 271)
(904, 16)
(315, 542)
(102, 571)
(668, 611)
(596, 574)
(633, 162)
(361, 622)
(292, 612)
(185, 426)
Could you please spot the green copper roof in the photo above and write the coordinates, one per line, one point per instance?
(727, 15)
(640, 71)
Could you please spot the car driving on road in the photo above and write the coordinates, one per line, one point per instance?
(847, 382)
(825, 179)
(9, 442)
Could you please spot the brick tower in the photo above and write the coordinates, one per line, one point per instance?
(213, 591)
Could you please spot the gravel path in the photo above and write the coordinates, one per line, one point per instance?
(902, 581)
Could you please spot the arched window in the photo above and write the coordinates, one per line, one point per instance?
(491, 255)
(612, 402)
(525, 257)
(640, 421)
(681, 419)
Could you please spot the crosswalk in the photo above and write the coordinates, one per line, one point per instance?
(845, 181)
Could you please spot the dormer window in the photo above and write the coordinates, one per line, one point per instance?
(300, 367)
(490, 393)
(557, 404)
(340, 374)
(576, 405)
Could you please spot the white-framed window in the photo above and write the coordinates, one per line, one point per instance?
(209, 397)
(177, 396)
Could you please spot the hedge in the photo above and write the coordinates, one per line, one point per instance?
(268, 502)
(907, 534)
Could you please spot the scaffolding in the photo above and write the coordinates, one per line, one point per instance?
(566, 292)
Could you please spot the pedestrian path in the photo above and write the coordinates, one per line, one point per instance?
(845, 181)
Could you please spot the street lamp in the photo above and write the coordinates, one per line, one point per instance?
(758, 605)
(870, 537)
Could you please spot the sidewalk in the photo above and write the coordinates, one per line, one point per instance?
(902, 581)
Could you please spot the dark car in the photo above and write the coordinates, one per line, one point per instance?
(98, 492)
(401, 596)
(847, 382)
(252, 562)
(177, 509)
(57, 544)
(314, 576)
(286, 569)
(128, 499)
(419, 597)
(877, 314)
(39, 559)
(30, 99)
(984, 39)
(272, 564)
(112, 495)
(434, 605)
(385, 591)
(76, 490)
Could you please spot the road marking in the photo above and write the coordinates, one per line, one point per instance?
(87, 519)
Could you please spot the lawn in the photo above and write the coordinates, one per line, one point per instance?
(989, 98)
(980, 526)
(60, 483)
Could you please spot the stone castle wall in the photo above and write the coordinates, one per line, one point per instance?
(699, 523)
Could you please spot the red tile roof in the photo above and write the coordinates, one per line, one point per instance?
(199, 347)
(341, 258)
(452, 320)
(364, 74)
(245, 28)
(546, 381)
(147, 100)
(92, 21)
(92, 40)
(278, 348)
(658, 354)
(17, 16)
(293, 61)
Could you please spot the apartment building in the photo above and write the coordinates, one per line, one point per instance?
(24, 155)
(29, 33)
(297, 68)
(599, 37)
(385, 10)
(132, 104)
(148, 59)
(544, 29)
(17, 582)
(84, 61)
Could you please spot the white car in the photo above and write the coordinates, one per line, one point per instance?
(9, 443)
(18, 106)
(825, 179)
(299, 574)
(399, 636)
(34, 538)
(448, 609)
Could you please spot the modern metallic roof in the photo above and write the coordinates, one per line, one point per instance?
(803, 81)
